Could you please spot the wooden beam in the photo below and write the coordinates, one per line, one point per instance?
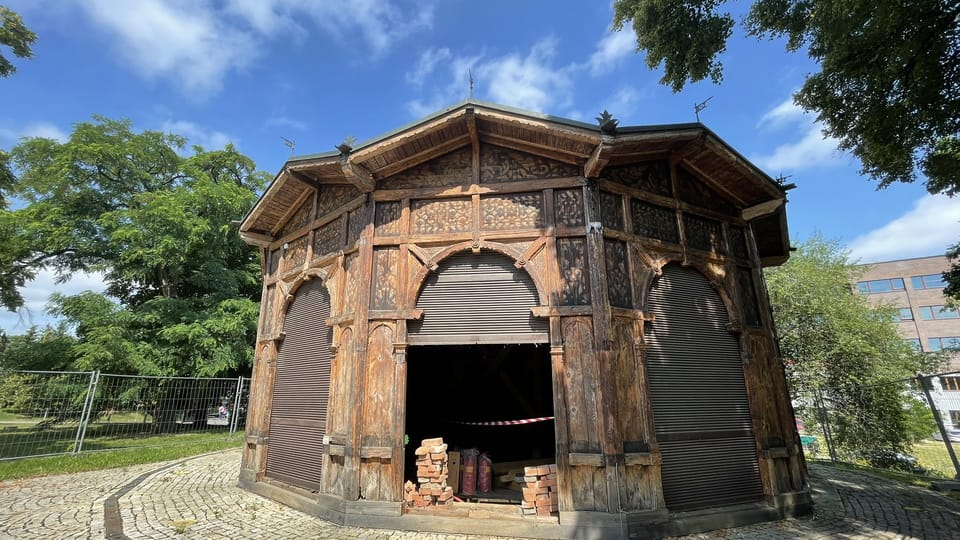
(532, 148)
(427, 155)
(357, 175)
(474, 143)
(761, 209)
(303, 178)
(598, 160)
(256, 239)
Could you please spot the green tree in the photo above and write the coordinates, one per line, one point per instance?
(46, 349)
(182, 289)
(887, 87)
(836, 345)
(14, 34)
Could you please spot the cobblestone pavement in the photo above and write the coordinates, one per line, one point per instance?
(198, 498)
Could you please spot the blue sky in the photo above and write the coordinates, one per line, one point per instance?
(315, 72)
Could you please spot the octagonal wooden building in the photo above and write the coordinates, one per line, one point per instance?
(486, 267)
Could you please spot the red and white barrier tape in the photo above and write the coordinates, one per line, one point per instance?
(508, 422)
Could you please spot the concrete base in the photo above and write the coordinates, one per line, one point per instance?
(498, 520)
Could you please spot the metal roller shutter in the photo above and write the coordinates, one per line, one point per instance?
(478, 298)
(700, 406)
(301, 390)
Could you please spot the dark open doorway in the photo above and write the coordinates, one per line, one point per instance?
(450, 386)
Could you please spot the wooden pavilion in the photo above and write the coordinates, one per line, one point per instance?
(487, 263)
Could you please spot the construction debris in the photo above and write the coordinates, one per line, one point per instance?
(432, 476)
(539, 486)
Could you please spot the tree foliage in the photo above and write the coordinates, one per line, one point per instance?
(14, 34)
(836, 345)
(888, 88)
(46, 349)
(181, 288)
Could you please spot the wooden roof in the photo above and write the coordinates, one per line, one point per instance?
(577, 143)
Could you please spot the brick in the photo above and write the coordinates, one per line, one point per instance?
(531, 471)
(432, 442)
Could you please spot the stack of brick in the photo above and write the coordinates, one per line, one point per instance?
(431, 475)
(539, 490)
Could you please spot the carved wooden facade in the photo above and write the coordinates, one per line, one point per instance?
(593, 219)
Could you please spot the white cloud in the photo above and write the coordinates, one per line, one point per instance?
(928, 228)
(528, 81)
(34, 129)
(787, 112)
(36, 294)
(813, 149)
(196, 43)
(610, 50)
(427, 63)
(182, 40)
(623, 102)
(196, 135)
(286, 121)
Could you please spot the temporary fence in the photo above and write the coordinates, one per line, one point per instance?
(46, 413)
(840, 423)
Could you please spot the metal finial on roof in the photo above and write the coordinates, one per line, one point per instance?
(697, 107)
(347, 145)
(608, 124)
(470, 73)
(291, 144)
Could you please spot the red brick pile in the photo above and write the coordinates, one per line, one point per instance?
(431, 475)
(539, 490)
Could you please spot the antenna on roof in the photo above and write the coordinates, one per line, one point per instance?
(289, 144)
(697, 107)
(470, 73)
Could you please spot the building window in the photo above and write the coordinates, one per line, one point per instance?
(903, 314)
(914, 343)
(941, 343)
(929, 313)
(955, 418)
(950, 383)
(929, 281)
(880, 285)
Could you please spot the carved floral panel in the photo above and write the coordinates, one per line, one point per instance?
(652, 176)
(738, 242)
(703, 233)
(388, 219)
(611, 211)
(333, 197)
(351, 292)
(568, 207)
(654, 221)
(450, 169)
(267, 309)
(274, 262)
(519, 211)
(300, 218)
(691, 189)
(327, 239)
(574, 273)
(618, 273)
(296, 253)
(385, 282)
(748, 297)
(441, 216)
(498, 164)
(356, 222)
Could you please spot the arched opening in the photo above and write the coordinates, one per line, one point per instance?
(301, 390)
(699, 397)
(478, 370)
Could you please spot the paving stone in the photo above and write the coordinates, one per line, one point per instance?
(198, 498)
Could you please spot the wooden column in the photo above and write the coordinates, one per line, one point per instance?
(610, 444)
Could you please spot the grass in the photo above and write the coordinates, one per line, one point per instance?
(173, 447)
(906, 478)
(933, 455)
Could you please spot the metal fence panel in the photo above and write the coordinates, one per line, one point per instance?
(49, 413)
